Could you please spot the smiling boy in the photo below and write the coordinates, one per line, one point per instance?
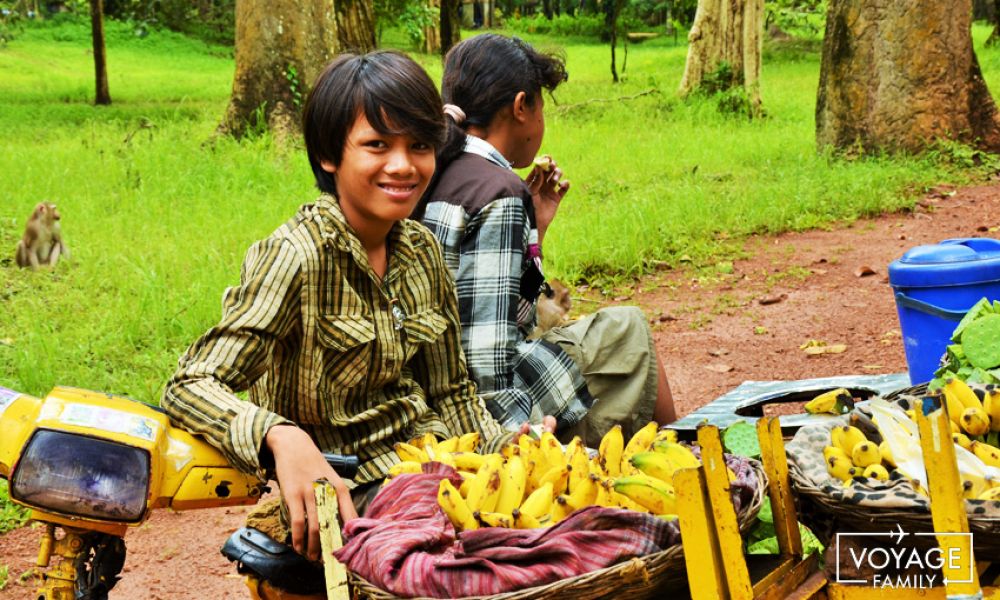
(344, 327)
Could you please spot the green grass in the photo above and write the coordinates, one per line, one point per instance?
(158, 216)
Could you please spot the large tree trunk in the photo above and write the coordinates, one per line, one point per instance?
(103, 96)
(281, 47)
(726, 33)
(898, 74)
(355, 24)
(451, 33)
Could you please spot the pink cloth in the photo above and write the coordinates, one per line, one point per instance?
(407, 546)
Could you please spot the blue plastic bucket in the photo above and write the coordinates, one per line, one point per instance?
(935, 286)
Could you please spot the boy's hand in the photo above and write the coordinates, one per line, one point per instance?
(297, 464)
(547, 191)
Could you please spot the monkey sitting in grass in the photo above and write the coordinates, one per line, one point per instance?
(42, 244)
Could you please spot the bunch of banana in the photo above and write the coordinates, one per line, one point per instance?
(537, 483)
(834, 402)
(850, 454)
(973, 415)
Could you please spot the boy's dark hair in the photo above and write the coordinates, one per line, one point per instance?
(393, 92)
(484, 73)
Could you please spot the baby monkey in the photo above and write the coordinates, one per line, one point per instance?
(42, 244)
(553, 306)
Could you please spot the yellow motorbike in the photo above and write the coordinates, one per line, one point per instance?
(93, 465)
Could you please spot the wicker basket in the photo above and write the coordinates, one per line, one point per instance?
(635, 578)
(826, 515)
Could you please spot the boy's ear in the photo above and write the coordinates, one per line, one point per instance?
(327, 166)
(519, 110)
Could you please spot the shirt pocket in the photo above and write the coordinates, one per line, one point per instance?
(422, 328)
(347, 346)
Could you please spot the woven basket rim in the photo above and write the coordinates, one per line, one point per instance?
(654, 569)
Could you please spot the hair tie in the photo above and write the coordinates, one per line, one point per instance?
(457, 114)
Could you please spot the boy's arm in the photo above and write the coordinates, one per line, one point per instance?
(233, 354)
(520, 380)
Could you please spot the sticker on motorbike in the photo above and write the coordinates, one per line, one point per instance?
(108, 419)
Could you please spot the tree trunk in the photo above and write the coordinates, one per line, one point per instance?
(897, 75)
(432, 33)
(103, 96)
(355, 25)
(281, 47)
(450, 26)
(726, 32)
(547, 9)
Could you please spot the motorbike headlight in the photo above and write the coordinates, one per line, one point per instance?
(82, 476)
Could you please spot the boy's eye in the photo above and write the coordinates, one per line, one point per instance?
(421, 146)
(375, 144)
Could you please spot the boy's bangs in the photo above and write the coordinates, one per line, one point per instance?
(385, 118)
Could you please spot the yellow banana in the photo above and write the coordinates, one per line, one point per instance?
(876, 472)
(468, 461)
(992, 494)
(678, 454)
(841, 469)
(469, 442)
(852, 437)
(603, 497)
(975, 421)
(446, 458)
(973, 487)
(666, 435)
(455, 507)
(962, 392)
(621, 500)
(865, 454)
(539, 503)
(561, 508)
(829, 451)
(953, 406)
(551, 450)
(986, 453)
(448, 445)
(495, 519)
(837, 439)
(610, 451)
(641, 441)
(514, 481)
(409, 452)
(558, 477)
(528, 446)
(509, 450)
(407, 466)
(576, 456)
(656, 464)
(656, 496)
(585, 492)
(525, 521)
(991, 403)
(834, 402)
(485, 491)
(962, 440)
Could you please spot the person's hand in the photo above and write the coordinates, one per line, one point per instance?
(548, 424)
(547, 191)
(297, 464)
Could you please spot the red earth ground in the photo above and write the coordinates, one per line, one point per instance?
(712, 333)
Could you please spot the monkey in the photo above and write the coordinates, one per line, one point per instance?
(42, 244)
(553, 306)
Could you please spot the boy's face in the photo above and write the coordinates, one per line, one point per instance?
(380, 177)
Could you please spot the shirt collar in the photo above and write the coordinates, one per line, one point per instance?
(475, 145)
(342, 236)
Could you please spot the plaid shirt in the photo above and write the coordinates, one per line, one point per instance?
(318, 340)
(480, 211)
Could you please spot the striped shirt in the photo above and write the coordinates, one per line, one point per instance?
(321, 342)
(482, 214)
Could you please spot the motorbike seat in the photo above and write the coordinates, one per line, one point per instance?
(275, 562)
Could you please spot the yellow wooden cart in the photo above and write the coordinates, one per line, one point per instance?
(718, 569)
